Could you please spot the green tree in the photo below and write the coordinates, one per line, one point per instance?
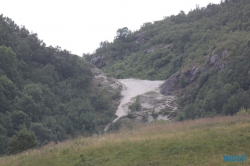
(8, 61)
(22, 141)
(19, 118)
(35, 91)
(122, 33)
(136, 106)
(30, 107)
(43, 134)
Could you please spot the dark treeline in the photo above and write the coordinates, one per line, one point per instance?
(46, 93)
(215, 39)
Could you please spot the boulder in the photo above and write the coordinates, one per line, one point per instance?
(213, 59)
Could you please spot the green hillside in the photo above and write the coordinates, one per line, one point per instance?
(49, 95)
(202, 142)
(203, 56)
(46, 94)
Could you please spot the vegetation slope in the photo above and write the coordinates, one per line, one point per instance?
(203, 56)
(194, 142)
(46, 94)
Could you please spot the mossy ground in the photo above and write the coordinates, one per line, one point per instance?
(194, 142)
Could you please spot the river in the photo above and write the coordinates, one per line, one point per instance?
(132, 88)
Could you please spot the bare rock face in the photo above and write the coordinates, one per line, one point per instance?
(194, 74)
(99, 61)
(219, 62)
(101, 80)
(213, 59)
(154, 48)
(96, 60)
(171, 84)
(140, 38)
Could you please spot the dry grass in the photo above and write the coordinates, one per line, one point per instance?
(193, 142)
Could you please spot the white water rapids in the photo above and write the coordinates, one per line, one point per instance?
(134, 87)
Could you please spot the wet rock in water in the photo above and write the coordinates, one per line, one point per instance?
(153, 105)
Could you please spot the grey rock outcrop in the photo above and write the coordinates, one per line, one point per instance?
(213, 59)
(173, 83)
(219, 62)
(95, 60)
(154, 48)
(194, 74)
(140, 38)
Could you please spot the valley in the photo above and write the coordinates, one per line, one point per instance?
(174, 92)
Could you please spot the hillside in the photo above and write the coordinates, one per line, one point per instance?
(202, 55)
(196, 142)
(48, 94)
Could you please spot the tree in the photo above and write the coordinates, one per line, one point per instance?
(8, 61)
(30, 107)
(3, 144)
(43, 134)
(122, 33)
(19, 118)
(34, 91)
(136, 106)
(22, 141)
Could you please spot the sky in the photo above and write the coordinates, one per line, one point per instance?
(80, 25)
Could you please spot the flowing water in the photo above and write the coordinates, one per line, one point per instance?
(132, 88)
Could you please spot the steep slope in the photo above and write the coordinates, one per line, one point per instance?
(48, 94)
(202, 55)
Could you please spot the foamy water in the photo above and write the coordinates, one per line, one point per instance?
(134, 87)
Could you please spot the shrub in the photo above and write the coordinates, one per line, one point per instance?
(22, 141)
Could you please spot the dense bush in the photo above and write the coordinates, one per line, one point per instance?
(46, 93)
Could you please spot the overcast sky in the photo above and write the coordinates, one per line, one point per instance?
(80, 25)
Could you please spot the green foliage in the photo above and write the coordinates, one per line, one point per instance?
(136, 106)
(8, 62)
(154, 114)
(243, 111)
(183, 81)
(145, 117)
(43, 134)
(115, 126)
(22, 141)
(130, 115)
(20, 119)
(214, 39)
(121, 34)
(47, 90)
(204, 141)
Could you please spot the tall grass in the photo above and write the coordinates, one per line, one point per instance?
(193, 142)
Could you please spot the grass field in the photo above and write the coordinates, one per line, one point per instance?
(196, 142)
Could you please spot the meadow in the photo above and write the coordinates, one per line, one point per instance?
(192, 142)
